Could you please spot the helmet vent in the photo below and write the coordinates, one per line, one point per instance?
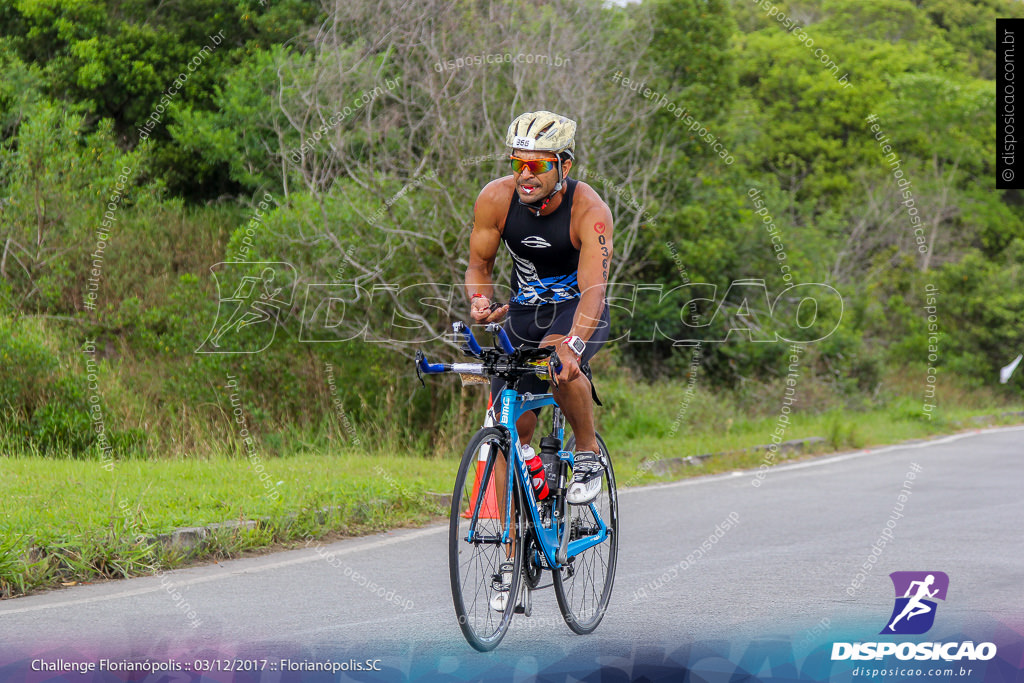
(542, 131)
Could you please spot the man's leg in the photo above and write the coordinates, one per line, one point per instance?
(525, 425)
(577, 403)
(527, 422)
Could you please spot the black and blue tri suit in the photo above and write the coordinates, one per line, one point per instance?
(545, 282)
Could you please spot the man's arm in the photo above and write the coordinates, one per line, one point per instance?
(483, 249)
(595, 234)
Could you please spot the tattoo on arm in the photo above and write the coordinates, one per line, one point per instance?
(602, 240)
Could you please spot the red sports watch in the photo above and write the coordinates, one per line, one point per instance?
(576, 345)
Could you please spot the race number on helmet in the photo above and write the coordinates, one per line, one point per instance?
(542, 131)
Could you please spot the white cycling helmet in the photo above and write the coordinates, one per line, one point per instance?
(542, 131)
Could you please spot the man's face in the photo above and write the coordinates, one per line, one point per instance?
(532, 188)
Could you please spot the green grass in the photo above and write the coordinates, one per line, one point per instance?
(841, 432)
(69, 496)
(64, 521)
(72, 520)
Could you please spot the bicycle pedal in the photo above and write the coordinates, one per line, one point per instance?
(525, 604)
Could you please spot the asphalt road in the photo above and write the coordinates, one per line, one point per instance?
(787, 570)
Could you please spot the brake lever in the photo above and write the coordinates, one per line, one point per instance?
(554, 367)
(419, 375)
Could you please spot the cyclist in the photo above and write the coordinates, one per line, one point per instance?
(559, 234)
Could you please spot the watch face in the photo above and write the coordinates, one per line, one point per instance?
(578, 346)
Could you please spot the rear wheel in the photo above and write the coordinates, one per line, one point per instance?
(583, 587)
(475, 566)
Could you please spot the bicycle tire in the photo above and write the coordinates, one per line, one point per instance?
(472, 566)
(583, 609)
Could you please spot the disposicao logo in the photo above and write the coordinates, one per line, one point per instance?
(914, 614)
(254, 305)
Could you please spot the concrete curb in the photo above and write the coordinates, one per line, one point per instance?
(191, 537)
(673, 465)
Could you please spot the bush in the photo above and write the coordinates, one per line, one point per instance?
(46, 398)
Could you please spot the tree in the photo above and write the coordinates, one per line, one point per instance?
(61, 183)
(387, 123)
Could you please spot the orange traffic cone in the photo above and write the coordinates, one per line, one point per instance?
(490, 501)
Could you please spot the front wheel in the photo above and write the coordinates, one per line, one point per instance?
(474, 564)
(583, 587)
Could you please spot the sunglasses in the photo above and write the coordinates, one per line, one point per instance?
(536, 166)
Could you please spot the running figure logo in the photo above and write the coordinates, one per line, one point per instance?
(914, 612)
(253, 305)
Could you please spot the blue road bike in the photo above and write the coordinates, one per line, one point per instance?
(498, 524)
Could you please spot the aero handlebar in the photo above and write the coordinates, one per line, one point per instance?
(504, 360)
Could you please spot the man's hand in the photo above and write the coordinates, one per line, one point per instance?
(480, 311)
(570, 364)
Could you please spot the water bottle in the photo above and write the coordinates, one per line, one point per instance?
(549, 447)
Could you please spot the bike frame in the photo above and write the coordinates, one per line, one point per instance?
(550, 540)
(553, 542)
